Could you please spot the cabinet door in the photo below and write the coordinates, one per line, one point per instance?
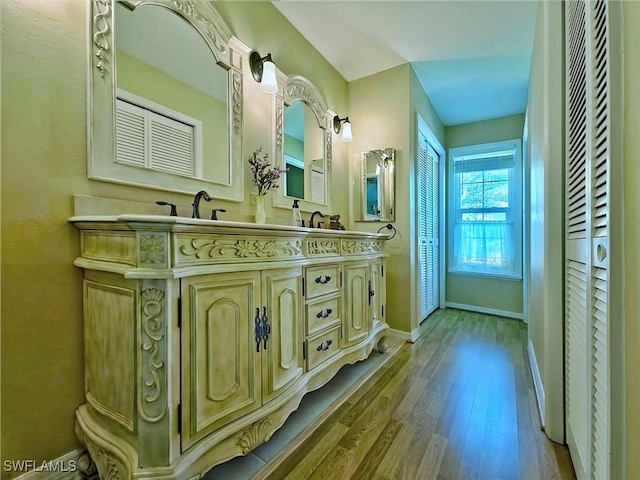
(356, 302)
(282, 361)
(220, 365)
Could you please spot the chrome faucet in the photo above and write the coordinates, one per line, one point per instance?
(196, 202)
(313, 215)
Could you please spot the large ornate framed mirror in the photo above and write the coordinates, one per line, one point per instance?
(302, 137)
(377, 185)
(165, 97)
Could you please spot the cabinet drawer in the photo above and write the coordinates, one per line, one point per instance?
(322, 313)
(323, 346)
(321, 280)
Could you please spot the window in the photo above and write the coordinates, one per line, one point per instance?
(150, 135)
(485, 214)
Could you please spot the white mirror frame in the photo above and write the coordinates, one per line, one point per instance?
(227, 51)
(386, 199)
(299, 88)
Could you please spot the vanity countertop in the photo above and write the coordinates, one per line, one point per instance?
(181, 224)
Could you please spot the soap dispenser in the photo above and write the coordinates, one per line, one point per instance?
(297, 216)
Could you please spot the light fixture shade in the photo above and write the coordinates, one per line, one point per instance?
(346, 132)
(269, 83)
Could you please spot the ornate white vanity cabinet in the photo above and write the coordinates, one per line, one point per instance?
(202, 337)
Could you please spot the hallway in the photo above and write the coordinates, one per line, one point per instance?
(458, 404)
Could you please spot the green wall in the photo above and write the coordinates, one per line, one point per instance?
(378, 107)
(382, 109)
(484, 292)
(43, 163)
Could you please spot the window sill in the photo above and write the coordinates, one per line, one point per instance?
(496, 276)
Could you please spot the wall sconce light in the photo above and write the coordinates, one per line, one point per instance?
(264, 72)
(346, 128)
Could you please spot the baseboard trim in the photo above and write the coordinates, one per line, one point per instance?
(537, 381)
(488, 311)
(66, 467)
(410, 337)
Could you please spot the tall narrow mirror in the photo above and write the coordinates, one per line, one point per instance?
(302, 144)
(165, 97)
(377, 185)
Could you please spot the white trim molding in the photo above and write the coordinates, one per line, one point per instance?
(75, 465)
(537, 381)
(410, 337)
(488, 311)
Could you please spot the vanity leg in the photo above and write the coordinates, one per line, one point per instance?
(382, 345)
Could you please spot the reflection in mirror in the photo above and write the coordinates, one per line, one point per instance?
(302, 144)
(303, 154)
(294, 150)
(378, 185)
(171, 100)
(168, 76)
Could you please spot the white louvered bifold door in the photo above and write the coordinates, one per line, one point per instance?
(428, 228)
(586, 252)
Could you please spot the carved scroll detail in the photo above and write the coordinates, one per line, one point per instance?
(237, 101)
(316, 247)
(192, 9)
(101, 29)
(328, 147)
(361, 247)
(303, 92)
(107, 467)
(255, 435)
(153, 334)
(279, 125)
(242, 248)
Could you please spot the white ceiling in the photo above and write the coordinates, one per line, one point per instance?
(472, 57)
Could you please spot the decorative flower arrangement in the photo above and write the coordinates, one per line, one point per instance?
(265, 176)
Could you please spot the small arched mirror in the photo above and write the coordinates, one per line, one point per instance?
(302, 144)
(377, 185)
(166, 97)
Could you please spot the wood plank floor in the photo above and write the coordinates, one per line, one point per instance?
(457, 404)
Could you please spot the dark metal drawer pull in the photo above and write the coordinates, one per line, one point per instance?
(320, 314)
(326, 279)
(266, 328)
(262, 328)
(322, 347)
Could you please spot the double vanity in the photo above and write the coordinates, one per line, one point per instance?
(202, 337)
